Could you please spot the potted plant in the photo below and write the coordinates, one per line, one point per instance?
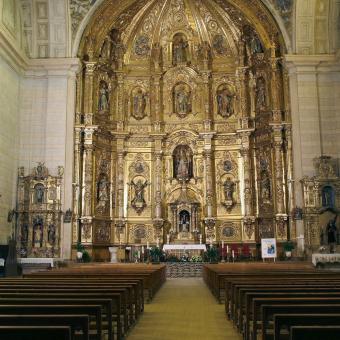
(80, 250)
(82, 254)
(155, 254)
(287, 248)
(212, 255)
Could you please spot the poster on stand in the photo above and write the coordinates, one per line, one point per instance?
(268, 248)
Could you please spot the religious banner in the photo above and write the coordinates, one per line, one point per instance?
(268, 248)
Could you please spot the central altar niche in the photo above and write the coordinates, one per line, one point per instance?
(184, 217)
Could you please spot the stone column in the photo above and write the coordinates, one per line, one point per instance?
(76, 183)
(87, 185)
(89, 92)
(207, 98)
(120, 101)
(158, 185)
(242, 92)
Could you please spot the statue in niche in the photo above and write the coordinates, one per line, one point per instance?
(179, 48)
(184, 221)
(103, 104)
(229, 188)
(219, 44)
(182, 104)
(260, 94)
(284, 5)
(138, 201)
(142, 46)
(327, 197)
(255, 44)
(37, 232)
(39, 193)
(265, 186)
(102, 192)
(138, 104)
(182, 158)
(51, 234)
(24, 233)
(331, 234)
(225, 102)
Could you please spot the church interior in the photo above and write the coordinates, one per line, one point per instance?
(164, 157)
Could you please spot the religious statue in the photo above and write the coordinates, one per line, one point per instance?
(184, 221)
(331, 234)
(24, 233)
(229, 188)
(138, 202)
(39, 191)
(182, 162)
(182, 100)
(102, 193)
(255, 45)
(138, 105)
(103, 97)
(265, 187)
(327, 197)
(225, 103)
(37, 233)
(260, 94)
(51, 234)
(179, 46)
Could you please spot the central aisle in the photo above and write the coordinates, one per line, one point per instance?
(184, 309)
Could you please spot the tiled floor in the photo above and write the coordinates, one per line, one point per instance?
(184, 309)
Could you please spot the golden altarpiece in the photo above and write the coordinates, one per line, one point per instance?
(39, 212)
(182, 126)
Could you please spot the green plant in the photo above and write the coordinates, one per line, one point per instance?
(155, 254)
(86, 256)
(288, 246)
(212, 254)
(80, 247)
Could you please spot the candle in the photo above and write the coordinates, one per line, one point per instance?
(157, 242)
(222, 244)
(200, 239)
(168, 239)
(227, 249)
(147, 245)
(142, 249)
(233, 254)
(138, 253)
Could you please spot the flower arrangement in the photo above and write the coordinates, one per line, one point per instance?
(212, 254)
(155, 254)
(288, 246)
(196, 258)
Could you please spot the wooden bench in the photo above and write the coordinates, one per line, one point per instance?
(35, 332)
(289, 320)
(75, 322)
(314, 332)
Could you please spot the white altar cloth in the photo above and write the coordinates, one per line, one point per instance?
(325, 258)
(37, 260)
(184, 247)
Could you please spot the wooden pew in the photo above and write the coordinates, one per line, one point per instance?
(90, 310)
(35, 332)
(314, 332)
(296, 306)
(76, 322)
(289, 320)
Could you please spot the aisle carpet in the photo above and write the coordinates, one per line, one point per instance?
(184, 309)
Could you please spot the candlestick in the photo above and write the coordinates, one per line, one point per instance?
(233, 254)
(157, 242)
(222, 244)
(147, 245)
(227, 249)
(142, 249)
(200, 239)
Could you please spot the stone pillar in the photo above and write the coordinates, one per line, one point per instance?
(242, 92)
(76, 184)
(120, 101)
(158, 185)
(89, 93)
(207, 97)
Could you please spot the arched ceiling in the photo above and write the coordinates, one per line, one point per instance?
(153, 22)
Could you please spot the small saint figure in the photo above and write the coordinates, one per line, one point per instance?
(39, 193)
(225, 103)
(331, 234)
(37, 234)
(103, 97)
(229, 187)
(51, 234)
(180, 46)
(184, 221)
(181, 101)
(182, 162)
(138, 202)
(102, 193)
(260, 94)
(138, 104)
